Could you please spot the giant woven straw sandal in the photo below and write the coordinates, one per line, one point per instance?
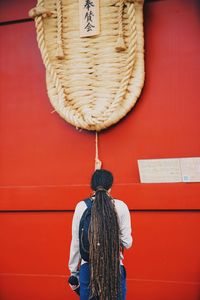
(92, 82)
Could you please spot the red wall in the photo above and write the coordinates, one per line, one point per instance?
(46, 164)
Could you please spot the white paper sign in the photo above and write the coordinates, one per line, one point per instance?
(159, 170)
(169, 170)
(89, 17)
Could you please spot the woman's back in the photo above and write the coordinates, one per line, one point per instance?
(109, 231)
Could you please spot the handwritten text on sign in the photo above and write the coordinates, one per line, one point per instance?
(89, 17)
(185, 169)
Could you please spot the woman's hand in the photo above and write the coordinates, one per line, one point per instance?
(74, 284)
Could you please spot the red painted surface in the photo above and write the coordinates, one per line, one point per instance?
(46, 164)
(15, 10)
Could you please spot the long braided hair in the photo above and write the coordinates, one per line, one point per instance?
(105, 278)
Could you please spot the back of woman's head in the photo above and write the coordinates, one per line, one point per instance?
(104, 240)
(101, 178)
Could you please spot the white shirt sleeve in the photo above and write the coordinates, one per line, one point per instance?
(125, 226)
(75, 257)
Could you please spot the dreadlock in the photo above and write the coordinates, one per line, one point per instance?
(105, 278)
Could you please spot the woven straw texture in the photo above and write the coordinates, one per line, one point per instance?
(92, 83)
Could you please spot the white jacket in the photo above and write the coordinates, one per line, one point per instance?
(124, 225)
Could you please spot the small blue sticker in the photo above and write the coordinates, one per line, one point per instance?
(186, 178)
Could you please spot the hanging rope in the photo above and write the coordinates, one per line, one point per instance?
(59, 52)
(98, 163)
(120, 44)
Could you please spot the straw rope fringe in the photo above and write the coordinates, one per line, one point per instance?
(91, 85)
(120, 45)
(130, 63)
(59, 52)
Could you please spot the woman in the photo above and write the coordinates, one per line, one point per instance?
(104, 277)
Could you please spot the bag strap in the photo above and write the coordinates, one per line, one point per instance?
(88, 202)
